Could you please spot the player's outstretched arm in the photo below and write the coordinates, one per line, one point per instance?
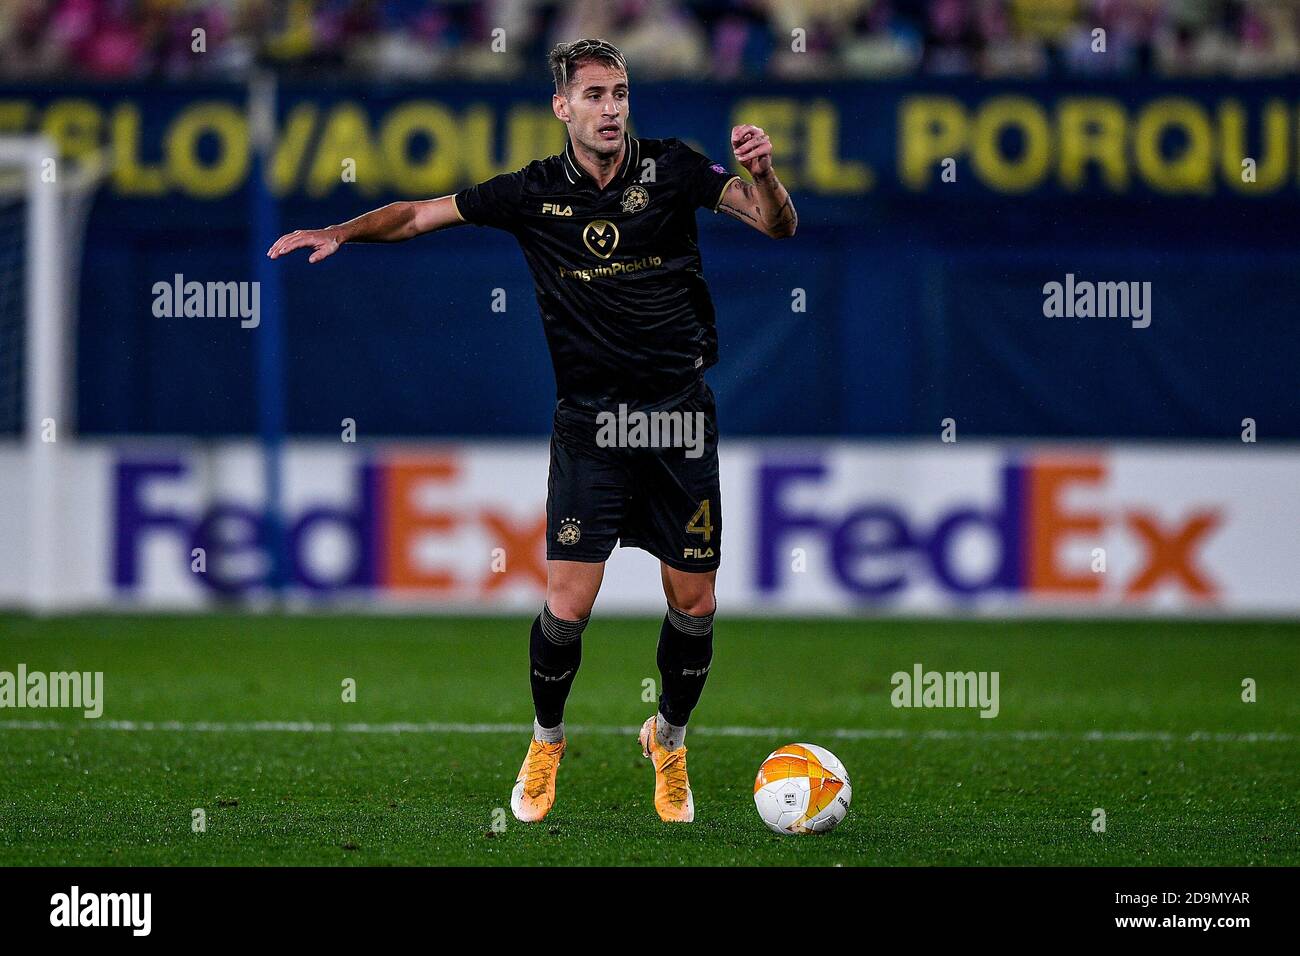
(392, 223)
(765, 203)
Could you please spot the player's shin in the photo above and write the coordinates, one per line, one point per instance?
(685, 653)
(555, 651)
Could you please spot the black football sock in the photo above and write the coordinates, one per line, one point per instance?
(685, 652)
(554, 653)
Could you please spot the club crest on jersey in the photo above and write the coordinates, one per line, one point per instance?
(635, 198)
(555, 209)
(600, 237)
(569, 532)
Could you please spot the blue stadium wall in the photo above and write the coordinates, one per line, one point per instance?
(924, 297)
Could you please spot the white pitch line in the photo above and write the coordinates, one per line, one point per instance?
(775, 733)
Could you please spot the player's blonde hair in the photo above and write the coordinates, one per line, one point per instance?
(567, 57)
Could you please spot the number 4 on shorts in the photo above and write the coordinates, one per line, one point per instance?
(700, 522)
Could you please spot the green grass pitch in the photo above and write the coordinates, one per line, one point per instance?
(1143, 719)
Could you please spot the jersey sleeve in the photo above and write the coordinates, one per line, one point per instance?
(494, 202)
(705, 180)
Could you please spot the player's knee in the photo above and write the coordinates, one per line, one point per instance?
(696, 603)
(571, 589)
(571, 611)
(569, 604)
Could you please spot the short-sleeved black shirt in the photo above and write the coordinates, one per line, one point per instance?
(617, 271)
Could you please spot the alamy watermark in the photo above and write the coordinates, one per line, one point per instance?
(1098, 300)
(675, 429)
(36, 689)
(922, 688)
(208, 300)
(130, 910)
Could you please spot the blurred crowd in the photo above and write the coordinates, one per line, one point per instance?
(701, 39)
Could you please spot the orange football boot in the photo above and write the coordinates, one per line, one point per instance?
(534, 792)
(673, 799)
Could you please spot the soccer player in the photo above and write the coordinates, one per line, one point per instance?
(608, 230)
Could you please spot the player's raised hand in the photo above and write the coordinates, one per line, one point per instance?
(323, 243)
(752, 148)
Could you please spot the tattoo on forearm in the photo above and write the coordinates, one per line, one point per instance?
(785, 214)
(735, 211)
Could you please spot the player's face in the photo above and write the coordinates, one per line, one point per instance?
(596, 108)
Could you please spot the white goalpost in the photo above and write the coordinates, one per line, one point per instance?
(50, 197)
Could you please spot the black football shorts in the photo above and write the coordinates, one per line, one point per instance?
(648, 482)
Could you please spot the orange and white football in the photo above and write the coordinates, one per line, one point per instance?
(802, 788)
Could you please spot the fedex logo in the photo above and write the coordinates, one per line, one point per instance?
(389, 526)
(876, 549)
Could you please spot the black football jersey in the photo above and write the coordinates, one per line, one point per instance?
(617, 271)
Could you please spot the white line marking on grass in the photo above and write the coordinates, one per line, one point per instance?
(776, 733)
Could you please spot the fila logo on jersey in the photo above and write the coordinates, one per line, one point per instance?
(555, 209)
(600, 237)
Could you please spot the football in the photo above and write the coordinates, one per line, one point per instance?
(802, 788)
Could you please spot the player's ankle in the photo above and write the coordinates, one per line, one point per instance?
(548, 735)
(668, 735)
